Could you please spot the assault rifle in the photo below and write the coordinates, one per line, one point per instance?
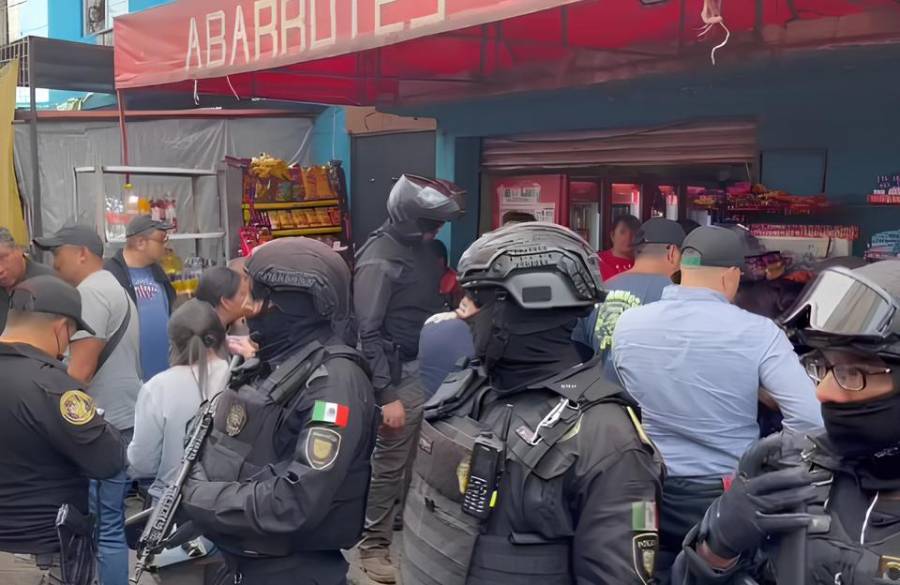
(156, 535)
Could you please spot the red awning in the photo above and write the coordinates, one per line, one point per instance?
(388, 51)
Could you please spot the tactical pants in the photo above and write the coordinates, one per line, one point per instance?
(685, 501)
(395, 450)
(308, 568)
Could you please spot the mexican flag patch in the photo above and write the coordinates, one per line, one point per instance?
(330, 412)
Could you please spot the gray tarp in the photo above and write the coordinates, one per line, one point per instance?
(200, 143)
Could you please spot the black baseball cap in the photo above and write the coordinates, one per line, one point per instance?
(72, 235)
(145, 223)
(659, 231)
(49, 294)
(713, 246)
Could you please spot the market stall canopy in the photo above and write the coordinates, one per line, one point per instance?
(394, 51)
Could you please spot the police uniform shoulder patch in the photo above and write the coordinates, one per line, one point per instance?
(235, 420)
(77, 408)
(644, 548)
(322, 447)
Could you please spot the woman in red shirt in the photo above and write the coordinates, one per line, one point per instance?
(620, 257)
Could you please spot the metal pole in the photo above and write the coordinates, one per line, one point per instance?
(37, 224)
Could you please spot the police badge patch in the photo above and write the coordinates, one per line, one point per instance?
(236, 419)
(322, 447)
(77, 408)
(644, 551)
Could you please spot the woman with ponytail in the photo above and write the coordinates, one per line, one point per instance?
(169, 400)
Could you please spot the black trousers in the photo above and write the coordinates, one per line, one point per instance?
(308, 568)
(685, 501)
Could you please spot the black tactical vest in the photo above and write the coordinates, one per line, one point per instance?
(443, 545)
(256, 427)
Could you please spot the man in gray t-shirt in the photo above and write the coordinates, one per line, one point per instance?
(113, 378)
(114, 383)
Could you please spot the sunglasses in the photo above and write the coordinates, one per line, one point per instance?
(850, 377)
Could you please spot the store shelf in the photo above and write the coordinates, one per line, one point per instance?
(293, 204)
(314, 231)
(186, 236)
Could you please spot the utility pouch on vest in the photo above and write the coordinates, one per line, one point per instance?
(439, 538)
(76, 546)
(395, 364)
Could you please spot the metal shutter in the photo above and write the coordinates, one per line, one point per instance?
(685, 143)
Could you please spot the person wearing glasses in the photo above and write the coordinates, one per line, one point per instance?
(825, 510)
(137, 269)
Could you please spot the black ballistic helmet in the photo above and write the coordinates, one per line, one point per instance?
(302, 265)
(859, 307)
(418, 204)
(540, 265)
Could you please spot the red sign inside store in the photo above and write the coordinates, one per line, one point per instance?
(197, 39)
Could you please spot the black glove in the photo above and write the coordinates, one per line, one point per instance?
(740, 520)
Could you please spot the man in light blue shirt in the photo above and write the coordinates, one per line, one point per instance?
(696, 365)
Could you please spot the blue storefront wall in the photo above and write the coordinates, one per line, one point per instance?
(843, 101)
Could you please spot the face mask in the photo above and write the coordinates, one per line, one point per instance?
(864, 428)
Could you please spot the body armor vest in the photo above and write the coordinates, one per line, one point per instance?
(528, 535)
(257, 426)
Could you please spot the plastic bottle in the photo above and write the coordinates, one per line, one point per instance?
(143, 205)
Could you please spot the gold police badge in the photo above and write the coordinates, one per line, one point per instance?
(77, 408)
(236, 419)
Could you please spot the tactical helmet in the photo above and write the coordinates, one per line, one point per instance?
(303, 265)
(859, 307)
(540, 265)
(415, 202)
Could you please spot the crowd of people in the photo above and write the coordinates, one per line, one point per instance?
(540, 413)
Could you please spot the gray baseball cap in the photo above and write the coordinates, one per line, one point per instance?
(49, 294)
(144, 223)
(659, 231)
(713, 246)
(72, 235)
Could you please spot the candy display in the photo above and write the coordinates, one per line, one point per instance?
(289, 200)
(771, 230)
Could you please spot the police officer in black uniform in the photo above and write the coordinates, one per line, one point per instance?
(396, 288)
(531, 467)
(832, 515)
(53, 439)
(281, 488)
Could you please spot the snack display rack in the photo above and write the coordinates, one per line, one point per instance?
(278, 200)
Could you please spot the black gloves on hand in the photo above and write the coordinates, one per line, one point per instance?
(741, 519)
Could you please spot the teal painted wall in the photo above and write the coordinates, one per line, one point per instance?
(843, 101)
(330, 141)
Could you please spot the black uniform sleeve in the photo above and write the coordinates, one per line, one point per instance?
(70, 422)
(372, 289)
(300, 493)
(617, 534)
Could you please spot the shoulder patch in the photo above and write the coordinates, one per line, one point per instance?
(644, 548)
(77, 408)
(322, 447)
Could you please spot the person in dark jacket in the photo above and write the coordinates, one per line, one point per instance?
(571, 496)
(396, 287)
(15, 267)
(137, 269)
(826, 510)
(281, 485)
(54, 438)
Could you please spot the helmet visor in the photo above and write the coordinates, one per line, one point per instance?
(841, 303)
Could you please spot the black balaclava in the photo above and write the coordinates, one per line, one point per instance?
(288, 321)
(862, 430)
(521, 347)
